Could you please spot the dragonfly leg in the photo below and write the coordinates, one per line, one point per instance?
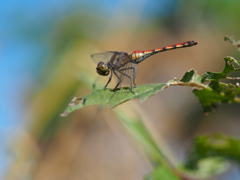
(110, 78)
(134, 74)
(119, 80)
(129, 79)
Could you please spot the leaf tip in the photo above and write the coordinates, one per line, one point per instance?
(71, 104)
(188, 76)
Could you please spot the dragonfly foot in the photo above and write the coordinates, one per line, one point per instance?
(130, 89)
(115, 89)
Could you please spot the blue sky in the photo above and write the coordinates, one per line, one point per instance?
(21, 54)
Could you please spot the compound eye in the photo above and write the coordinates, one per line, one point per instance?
(102, 69)
(101, 66)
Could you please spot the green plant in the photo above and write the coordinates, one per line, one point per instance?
(208, 153)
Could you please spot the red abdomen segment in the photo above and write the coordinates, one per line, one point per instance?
(139, 56)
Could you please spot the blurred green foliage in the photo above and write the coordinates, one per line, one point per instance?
(66, 71)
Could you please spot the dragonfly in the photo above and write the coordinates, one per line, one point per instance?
(124, 66)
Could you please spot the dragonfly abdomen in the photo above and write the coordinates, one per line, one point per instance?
(139, 56)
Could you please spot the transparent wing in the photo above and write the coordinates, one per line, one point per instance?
(104, 57)
(128, 74)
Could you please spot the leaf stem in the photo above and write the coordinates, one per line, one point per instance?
(193, 84)
(233, 78)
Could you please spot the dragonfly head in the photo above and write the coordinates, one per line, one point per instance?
(102, 69)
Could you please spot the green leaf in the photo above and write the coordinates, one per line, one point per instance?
(161, 173)
(223, 93)
(188, 76)
(232, 41)
(218, 93)
(114, 98)
(216, 145)
(229, 67)
(207, 167)
(210, 91)
(191, 78)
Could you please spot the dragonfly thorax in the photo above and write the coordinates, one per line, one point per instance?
(102, 69)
